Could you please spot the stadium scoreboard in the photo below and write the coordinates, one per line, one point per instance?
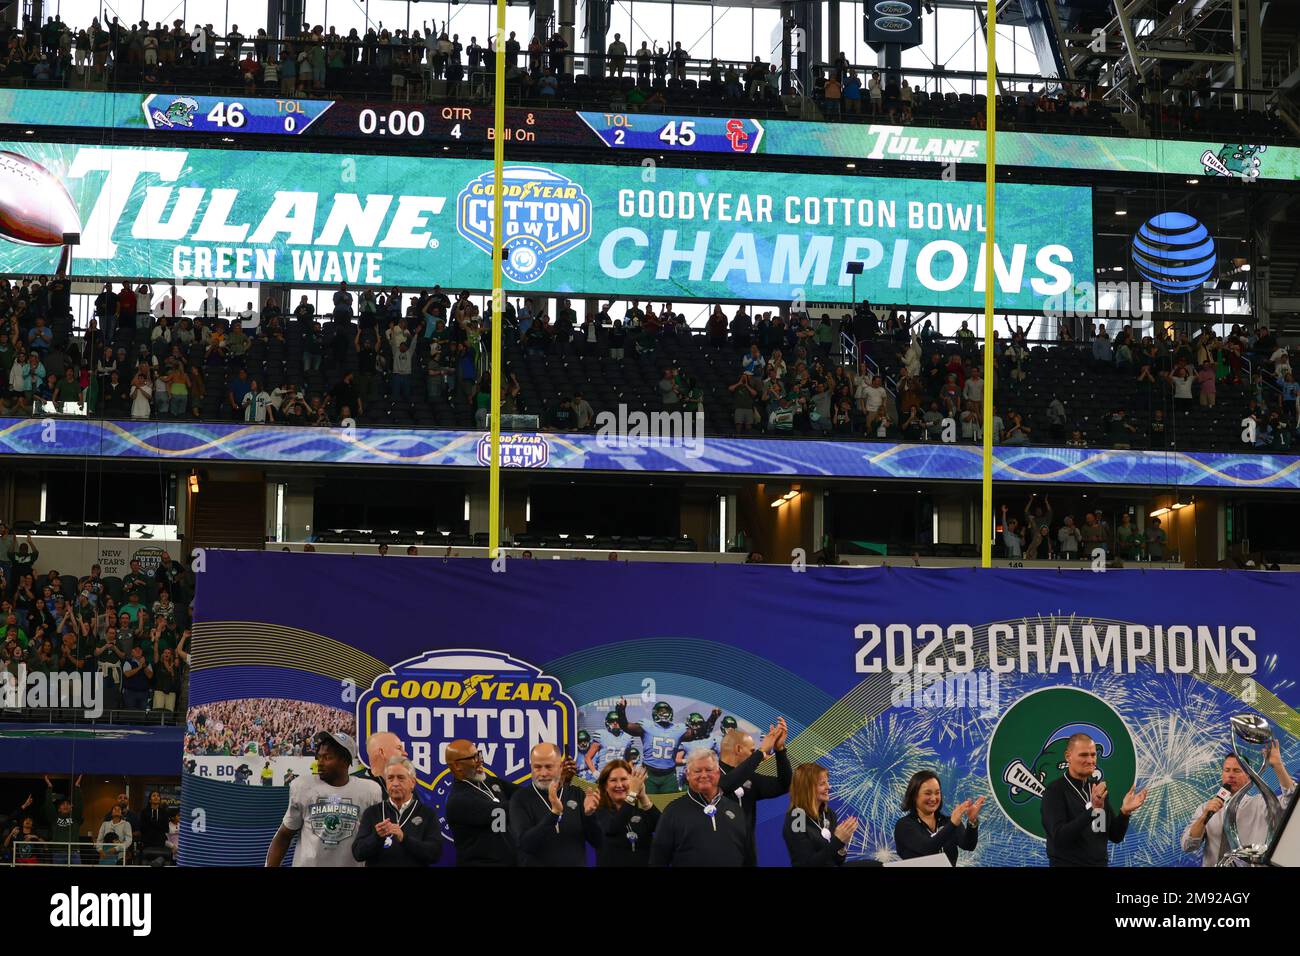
(162, 116)
(446, 124)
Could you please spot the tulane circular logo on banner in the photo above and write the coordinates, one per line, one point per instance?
(1174, 252)
(1027, 750)
(504, 705)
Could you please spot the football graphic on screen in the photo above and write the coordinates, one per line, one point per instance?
(35, 207)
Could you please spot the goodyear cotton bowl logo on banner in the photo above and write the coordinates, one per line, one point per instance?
(517, 451)
(503, 705)
(546, 216)
(1027, 750)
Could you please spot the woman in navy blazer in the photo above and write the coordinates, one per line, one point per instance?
(926, 829)
(813, 835)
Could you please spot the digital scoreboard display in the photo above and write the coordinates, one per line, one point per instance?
(170, 116)
(286, 116)
(698, 134)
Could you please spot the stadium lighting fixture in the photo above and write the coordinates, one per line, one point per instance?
(1158, 512)
(194, 482)
(778, 503)
(1178, 505)
(1192, 182)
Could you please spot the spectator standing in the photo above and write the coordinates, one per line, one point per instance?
(1156, 539)
(65, 817)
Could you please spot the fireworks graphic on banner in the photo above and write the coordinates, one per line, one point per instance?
(869, 774)
(1178, 723)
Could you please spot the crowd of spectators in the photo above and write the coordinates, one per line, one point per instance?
(235, 727)
(134, 630)
(429, 59)
(153, 353)
(1037, 534)
(56, 832)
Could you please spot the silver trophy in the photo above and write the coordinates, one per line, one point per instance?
(1254, 730)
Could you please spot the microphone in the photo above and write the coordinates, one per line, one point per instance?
(1225, 795)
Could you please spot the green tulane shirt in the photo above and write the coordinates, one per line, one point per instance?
(327, 819)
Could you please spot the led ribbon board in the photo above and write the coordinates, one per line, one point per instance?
(571, 229)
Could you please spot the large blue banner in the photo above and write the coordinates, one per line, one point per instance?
(786, 457)
(879, 673)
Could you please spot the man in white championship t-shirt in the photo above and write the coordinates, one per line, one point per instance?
(325, 811)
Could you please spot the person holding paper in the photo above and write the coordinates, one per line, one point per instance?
(926, 830)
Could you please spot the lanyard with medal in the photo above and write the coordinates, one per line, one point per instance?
(546, 802)
(399, 818)
(632, 837)
(710, 808)
(483, 789)
(1083, 792)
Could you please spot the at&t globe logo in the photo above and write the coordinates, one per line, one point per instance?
(1027, 750)
(1174, 252)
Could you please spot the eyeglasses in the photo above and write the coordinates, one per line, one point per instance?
(476, 756)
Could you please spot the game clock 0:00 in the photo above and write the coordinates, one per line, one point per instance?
(397, 122)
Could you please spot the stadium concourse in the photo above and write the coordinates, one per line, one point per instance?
(264, 601)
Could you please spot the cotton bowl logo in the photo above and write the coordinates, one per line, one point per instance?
(1174, 252)
(150, 559)
(546, 214)
(1027, 749)
(517, 451)
(503, 705)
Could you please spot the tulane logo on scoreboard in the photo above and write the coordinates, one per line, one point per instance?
(546, 216)
(503, 705)
(1234, 159)
(1027, 750)
(179, 112)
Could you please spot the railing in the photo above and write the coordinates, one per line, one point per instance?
(34, 851)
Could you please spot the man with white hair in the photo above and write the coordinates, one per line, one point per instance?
(551, 821)
(399, 830)
(703, 827)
